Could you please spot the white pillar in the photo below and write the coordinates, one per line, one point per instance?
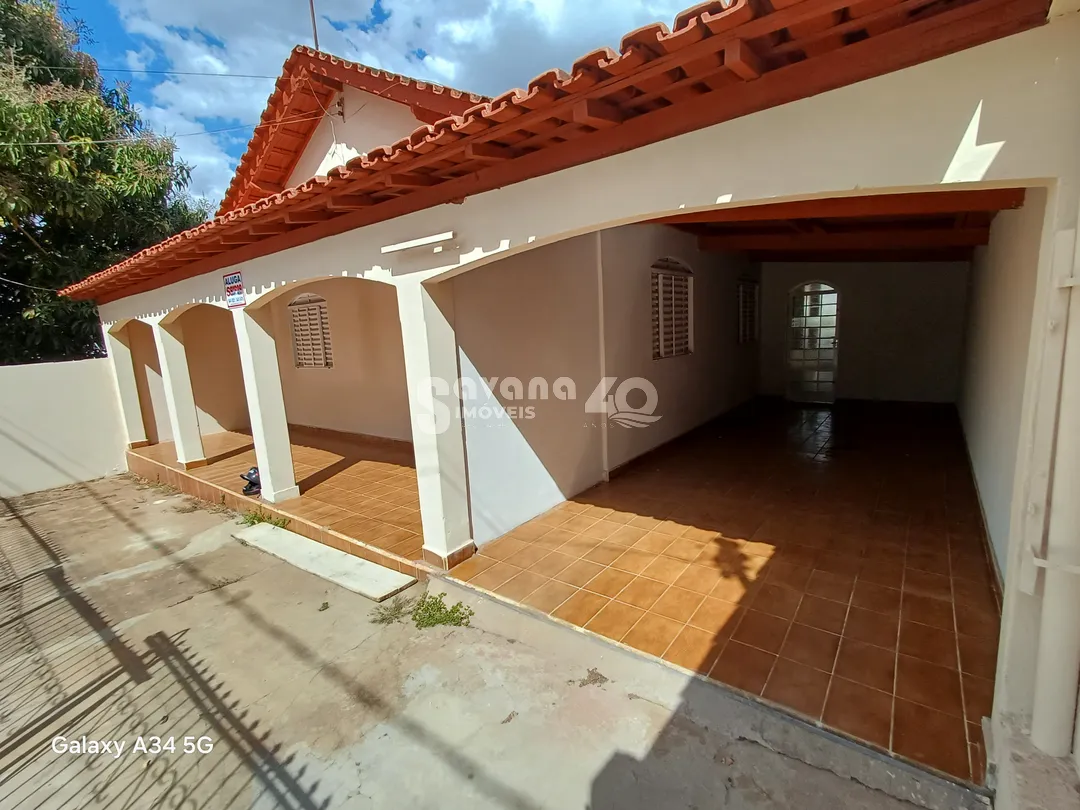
(1057, 664)
(179, 396)
(266, 405)
(427, 331)
(127, 388)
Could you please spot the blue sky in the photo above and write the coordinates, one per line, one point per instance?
(486, 46)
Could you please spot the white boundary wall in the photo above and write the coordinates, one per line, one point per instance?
(59, 424)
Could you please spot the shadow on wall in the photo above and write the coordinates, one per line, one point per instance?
(139, 337)
(217, 380)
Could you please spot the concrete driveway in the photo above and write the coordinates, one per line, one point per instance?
(129, 612)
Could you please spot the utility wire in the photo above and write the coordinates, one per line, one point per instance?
(181, 135)
(158, 72)
(29, 286)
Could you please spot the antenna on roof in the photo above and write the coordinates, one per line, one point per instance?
(314, 28)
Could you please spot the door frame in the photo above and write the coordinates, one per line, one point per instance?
(787, 339)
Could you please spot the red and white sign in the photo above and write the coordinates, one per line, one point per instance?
(234, 290)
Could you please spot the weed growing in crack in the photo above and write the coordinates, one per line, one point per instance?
(430, 611)
(392, 611)
(257, 516)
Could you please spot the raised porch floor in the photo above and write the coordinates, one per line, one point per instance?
(357, 493)
(830, 561)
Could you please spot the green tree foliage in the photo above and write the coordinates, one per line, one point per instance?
(83, 184)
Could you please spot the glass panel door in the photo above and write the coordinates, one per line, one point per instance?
(811, 358)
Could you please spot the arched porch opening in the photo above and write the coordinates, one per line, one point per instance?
(137, 338)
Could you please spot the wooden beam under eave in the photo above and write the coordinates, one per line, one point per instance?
(594, 112)
(893, 239)
(307, 217)
(741, 60)
(490, 152)
(409, 180)
(269, 228)
(239, 238)
(349, 202)
(884, 205)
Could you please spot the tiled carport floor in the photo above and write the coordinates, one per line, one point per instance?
(829, 560)
(352, 488)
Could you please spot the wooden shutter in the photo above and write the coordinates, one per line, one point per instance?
(672, 309)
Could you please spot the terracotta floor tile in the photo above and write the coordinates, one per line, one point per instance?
(627, 535)
(698, 578)
(577, 524)
(873, 628)
(471, 567)
(614, 620)
(495, 576)
(925, 610)
(580, 607)
(642, 592)
(606, 553)
(552, 564)
(743, 667)
(932, 738)
(978, 697)
(549, 596)
(503, 548)
(685, 550)
(884, 574)
(579, 546)
(633, 560)
(798, 687)
(733, 588)
(929, 644)
(694, 649)
(921, 583)
(652, 634)
(866, 664)
(762, 631)
(795, 577)
(931, 563)
(929, 685)
(716, 616)
(654, 542)
(972, 621)
(877, 598)
(978, 656)
(665, 569)
(527, 556)
(579, 572)
(860, 711)
(609, 582)
(824, 614)
(555, 539)
(836, 587)
(776, 601)
(601, 530)
(677, 603)
(810, 646)
(521, 585)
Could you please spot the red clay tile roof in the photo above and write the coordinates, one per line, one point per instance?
(721, 61)
(309, 79)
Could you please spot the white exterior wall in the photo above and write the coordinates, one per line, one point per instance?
(533, 315)
(370, 121)
(59, 424)
(900, 330)
(1002, 300)
(691, 389)
(365, 391)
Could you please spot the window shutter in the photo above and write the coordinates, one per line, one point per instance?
(672, 309)
(311, 333)
(748, 311)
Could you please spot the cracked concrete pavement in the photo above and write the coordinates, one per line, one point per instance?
(128, 612)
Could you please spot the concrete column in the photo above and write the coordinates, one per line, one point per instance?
(266, 404)
(1057, 664)
(179, 398)
(127, 388)
(431, 370)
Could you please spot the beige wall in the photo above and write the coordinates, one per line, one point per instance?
(148, 382)
(365, 391)
(370, 121)
(59, 424)
(534, 315)
(1002, 300)
(217, 380)
(900, 330)
(691, 389)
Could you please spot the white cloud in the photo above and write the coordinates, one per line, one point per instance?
(485, 46)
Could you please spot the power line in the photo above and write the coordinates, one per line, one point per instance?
(158, 72)
(181, 135)
(28, 286)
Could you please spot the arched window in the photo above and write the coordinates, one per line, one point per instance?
(672, 308)
(310, 332)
